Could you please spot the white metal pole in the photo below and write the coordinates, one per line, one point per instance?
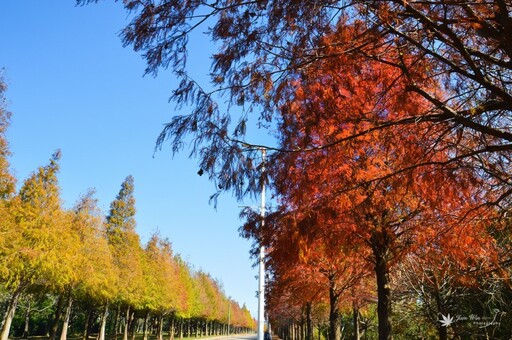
(261, 288)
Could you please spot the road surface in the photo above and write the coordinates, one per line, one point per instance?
(235, 337)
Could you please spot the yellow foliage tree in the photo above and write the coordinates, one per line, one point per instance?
(33, 255)
(97, 274)
(127, 252)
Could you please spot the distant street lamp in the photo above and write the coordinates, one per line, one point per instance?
(261, 288)
(261, 260)
(229, 315)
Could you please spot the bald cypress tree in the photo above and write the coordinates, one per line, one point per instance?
(33, 255)
(7, 188)
(121, 217)
(7, 181)
(126, 249)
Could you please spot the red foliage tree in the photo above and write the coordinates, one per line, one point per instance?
(443, 62)
(370, 185)
(447, 266)
(303, 256)
(263, 45)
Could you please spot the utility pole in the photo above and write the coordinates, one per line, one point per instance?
(261, 288)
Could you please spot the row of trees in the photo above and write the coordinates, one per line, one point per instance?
(376, 215)
(391, 156)
(77, 269)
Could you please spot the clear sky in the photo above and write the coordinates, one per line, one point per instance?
(73, 87)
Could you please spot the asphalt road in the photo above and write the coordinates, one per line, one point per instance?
(238, 337)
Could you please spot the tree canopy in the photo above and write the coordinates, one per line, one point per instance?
(59, 264)
(388, 129)
(263, 47)
(388, 121)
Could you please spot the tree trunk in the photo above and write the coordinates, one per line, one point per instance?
(87, 325)
(302, 329)
(160, 326)
(54, 327)
(101, 335)
(133, 326)
(334, 313)
(9, 314)
(442, 330)
(309, 322)
(26, 328)
(113, 334)
(67, 316)
(145, 327)
(181, 329)
(171, 328)
(355, 311)
(126, 323)
(383, 294)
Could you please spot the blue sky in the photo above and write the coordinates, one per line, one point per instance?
(73, 87)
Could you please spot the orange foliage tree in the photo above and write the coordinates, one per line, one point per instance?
(453, 57)
(262, 46)
(303, 257)
(447, 268)
(370, 185)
